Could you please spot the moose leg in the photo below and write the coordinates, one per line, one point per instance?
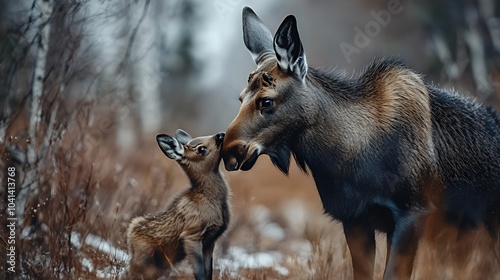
(388, 252)
(361, 241)
(208, 259)
(194, 251)
(404, 249)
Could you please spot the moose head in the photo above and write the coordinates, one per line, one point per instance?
(275, 102)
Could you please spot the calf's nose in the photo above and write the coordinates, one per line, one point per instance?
(219, 138)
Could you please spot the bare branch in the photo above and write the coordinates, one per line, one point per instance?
(134, 34)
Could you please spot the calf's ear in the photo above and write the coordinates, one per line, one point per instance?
(170, 146)
(182, 136)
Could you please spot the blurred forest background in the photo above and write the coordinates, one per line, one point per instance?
(86, 84)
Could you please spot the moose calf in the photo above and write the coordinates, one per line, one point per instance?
(195, 219)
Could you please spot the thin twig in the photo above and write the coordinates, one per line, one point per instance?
(134, 34)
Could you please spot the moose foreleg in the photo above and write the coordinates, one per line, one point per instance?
(361, 242)
(194, 250)
(208, 260)
(403, 250)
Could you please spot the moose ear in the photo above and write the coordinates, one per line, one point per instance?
(257, 37)
(289, 50)
(182, 136)
(170, 146)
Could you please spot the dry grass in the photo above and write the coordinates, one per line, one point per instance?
(447, 253)
(329, 256)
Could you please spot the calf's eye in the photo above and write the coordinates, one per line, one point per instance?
(202, 150)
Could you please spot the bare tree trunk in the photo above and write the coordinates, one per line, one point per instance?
(478, 61)
(10, 77)
(127, 131)
(29, 186)
(38, 78)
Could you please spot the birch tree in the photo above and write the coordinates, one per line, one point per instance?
(43, 38)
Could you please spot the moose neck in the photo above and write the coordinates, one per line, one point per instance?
(331, 85)
(341, 128)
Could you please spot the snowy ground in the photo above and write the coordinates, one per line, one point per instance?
(236, 259)
(239, 258)
(233, 262)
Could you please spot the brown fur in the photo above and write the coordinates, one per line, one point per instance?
(190, 225)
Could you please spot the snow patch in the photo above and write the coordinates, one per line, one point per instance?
(238, 258)
(261, 216)
(272, 231)
(87, 263)
(100, 244)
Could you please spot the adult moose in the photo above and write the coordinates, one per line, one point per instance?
(381, 147)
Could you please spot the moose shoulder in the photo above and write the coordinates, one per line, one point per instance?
(381, 146)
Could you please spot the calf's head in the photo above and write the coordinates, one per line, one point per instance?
(198, 155)
(275, 104)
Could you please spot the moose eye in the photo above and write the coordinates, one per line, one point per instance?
(202, 150)
(266, 103)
